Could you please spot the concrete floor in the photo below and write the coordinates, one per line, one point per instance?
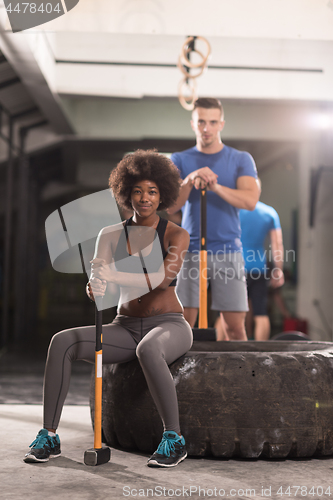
(126, 475)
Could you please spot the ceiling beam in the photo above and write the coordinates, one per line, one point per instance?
(16, 49)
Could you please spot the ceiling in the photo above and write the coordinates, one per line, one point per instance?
(263, 50)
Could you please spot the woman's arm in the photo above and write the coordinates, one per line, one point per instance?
(96, 287)
(178, 241)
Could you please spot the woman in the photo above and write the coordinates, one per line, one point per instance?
(150, 324)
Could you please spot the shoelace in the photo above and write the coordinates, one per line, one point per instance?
(166, 446)
(40, 441)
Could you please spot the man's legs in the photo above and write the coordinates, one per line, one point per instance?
(228, 285)
(262, 327)
(249, 321)
(229, 293)
(231, 325)
(221, 328)
(258, 292)
(235, 325)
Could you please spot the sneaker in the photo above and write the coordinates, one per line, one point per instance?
(43, 448)
(170, 452)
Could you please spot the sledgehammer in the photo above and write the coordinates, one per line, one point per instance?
(203, 332)
(98, 454)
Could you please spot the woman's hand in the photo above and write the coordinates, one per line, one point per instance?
(96, 288)
(103, 271)
(89, 291)
(101, 274)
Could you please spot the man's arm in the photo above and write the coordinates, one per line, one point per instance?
(208, 177)
(184, 193)
(246, 194)
(277, 276)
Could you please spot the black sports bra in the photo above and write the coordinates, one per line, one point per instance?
(136, 264)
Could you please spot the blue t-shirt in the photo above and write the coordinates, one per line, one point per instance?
(255, 227)
(223, 226)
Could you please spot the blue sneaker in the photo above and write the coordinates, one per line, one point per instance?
(170, 452)
(43, 448)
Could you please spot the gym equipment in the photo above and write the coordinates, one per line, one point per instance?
(291, 335)
(187, 90)
(247, 399)
(295, 325)
(98, 454)
(203, 332)
(71, 233)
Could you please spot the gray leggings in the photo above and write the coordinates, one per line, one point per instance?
(156, 341)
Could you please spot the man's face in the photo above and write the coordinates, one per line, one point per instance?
(207, 125)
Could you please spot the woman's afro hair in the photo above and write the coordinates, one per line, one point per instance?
(145, 165)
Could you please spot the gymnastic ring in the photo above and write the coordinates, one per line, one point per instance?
(188, 105)
(190, 75)
(185, 51)
(185, 60)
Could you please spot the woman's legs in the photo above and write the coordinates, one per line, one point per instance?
(156, 341)
(159, 348)
(79, 344)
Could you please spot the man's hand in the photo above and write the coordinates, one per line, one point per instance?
(212, 186)
(245, 195)
(199, 183)
(197, 179)
(203, 177)
(277, 278)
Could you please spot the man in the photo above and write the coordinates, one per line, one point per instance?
(230, 177)
(263, 221)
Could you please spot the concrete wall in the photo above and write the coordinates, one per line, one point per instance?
(279, 190)
(316, 243)
(154, 117)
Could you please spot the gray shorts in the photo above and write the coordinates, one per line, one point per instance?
(225, 275)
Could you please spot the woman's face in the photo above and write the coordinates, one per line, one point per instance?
(145, 198)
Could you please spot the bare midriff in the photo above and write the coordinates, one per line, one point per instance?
(153, 303)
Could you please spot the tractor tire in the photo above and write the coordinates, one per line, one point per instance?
(236, 399)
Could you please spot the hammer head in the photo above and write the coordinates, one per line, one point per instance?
(97, 456)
